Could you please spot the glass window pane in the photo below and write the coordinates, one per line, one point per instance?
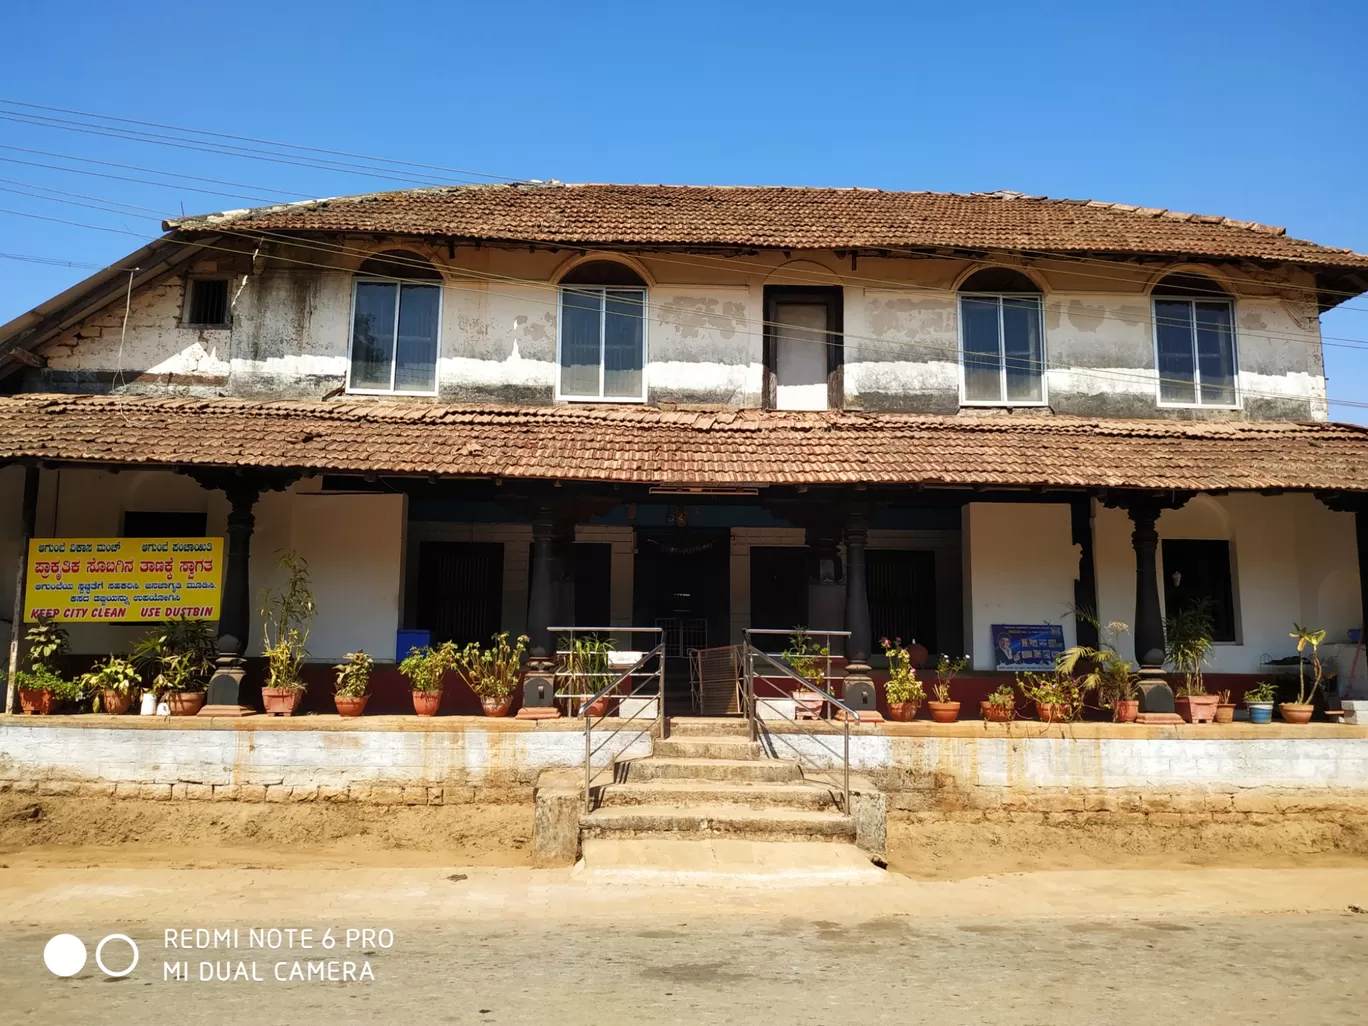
(580, 341)
(1216, 353)
(1173, 329)
(1022, 350)
(982, 349)
(623, 318)
(416, 352)
(373, 334)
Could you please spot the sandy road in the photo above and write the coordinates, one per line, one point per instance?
(476, 945)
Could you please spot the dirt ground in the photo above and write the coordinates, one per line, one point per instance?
(85, 831)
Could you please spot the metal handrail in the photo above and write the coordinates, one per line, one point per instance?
(753, 712)
(658, 653)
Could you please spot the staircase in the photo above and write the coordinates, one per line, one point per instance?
(708, 781)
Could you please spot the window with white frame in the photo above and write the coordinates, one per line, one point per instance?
(601, 348)
(1002, 338)
(1194, 342)
(396, 318)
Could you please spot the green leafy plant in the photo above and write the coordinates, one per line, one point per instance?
(427, 666)
(1003, 697)
(1264, 691)
(354, 676)
(493, 672)
(1054, 688)
(946, 669)
(585, 665)
(115, 674)
(287, 617)
(1111, 676)
(47, 643)
(806, 657)
(176, 656)
(1307, 638)
(44, 678)
(902, 684)
(1187, 645)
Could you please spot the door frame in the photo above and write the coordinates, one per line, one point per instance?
(833, 298)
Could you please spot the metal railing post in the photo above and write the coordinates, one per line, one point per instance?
(588, 755)
(662, 726)
(752, 713)
(847, 764)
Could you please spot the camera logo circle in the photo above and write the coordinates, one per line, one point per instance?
(65, 955)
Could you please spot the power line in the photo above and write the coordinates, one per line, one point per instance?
(153, 171)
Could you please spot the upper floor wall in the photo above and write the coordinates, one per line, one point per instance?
(809, 330)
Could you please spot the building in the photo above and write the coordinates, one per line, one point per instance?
(905, 414)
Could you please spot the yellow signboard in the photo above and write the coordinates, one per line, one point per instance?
(123, 580)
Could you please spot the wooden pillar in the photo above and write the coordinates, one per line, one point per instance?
(1361, 536)
(1085, 584)
(29, 516)
(541, 601)
(227, 696)
(1149, 620)
(856, 597)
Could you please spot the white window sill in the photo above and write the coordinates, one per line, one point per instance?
(600, 399)
(386, 391)
(205, 327)
(1197, 406)
(1033, 404)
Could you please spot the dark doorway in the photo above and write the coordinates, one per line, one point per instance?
(460, 590)
(1197, 571)
(682, 583)
(779, 592)
(581, 574)
(901, 584)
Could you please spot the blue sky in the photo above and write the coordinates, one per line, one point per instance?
(1250, 109)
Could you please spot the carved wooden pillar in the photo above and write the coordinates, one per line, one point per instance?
(1085, 585)
(227, 696)
(856, 598)
(541, 602)
(1149, 620)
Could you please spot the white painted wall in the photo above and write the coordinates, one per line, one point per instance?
(1020, 564)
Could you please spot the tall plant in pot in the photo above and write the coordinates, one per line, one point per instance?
(1000, 706)
(1058, 696)
(1259, 701)
(903, 691)
(585, 672)
(42, 687)
(1187, 648)
(426, 669)
(1300, 710)
(286, 618)
(351, 691)
(176, 659)
(808, 658)
(942, 709)
(493, 673)
(113, 683)
(1107, 672)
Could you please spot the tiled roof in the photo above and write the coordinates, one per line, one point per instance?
(780, 218)
(654, 446)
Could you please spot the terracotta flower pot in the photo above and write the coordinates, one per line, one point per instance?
(903, 712)
(1295, 712)
(944, 712)
(994, 713)
(281, 701)
(425, 703)
(1052, 712)
(1225, 712)
(495, 706)
(36, 703)
(917, 655)
(184, 703)
(599, 708)
(1126, 710)
(115, 703)
(350, 705)
(1197, 708)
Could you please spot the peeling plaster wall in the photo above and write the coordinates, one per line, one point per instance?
(291, 326)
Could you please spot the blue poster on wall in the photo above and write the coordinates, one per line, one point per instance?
(1027, 646)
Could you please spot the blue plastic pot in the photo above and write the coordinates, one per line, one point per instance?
(1260, 712)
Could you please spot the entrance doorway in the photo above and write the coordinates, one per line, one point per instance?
(682, 584)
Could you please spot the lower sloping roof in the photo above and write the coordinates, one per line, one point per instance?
(654, 446)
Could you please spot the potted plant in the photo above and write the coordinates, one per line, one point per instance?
(1225, 708)
(943, 710)
(113, 683)
(178, 657)
(1187, 648)
(1300, 710)
(903, 691)
(586, 672)
(1111, 675)
(1058, 697)
(286, 619)
(493, 673)
(351, 692)
(425, 668)
(42, 686)
(808, 659)
(1259, 701)
(1000, 706)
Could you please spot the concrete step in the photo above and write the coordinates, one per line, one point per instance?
(706, 821)
(774, 771)
(709, 726)
(687, 793)
(726, 862)
(702, 747)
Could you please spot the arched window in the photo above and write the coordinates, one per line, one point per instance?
(601, 349)
(1002, 338)
(396, 319)
(1194, 342)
